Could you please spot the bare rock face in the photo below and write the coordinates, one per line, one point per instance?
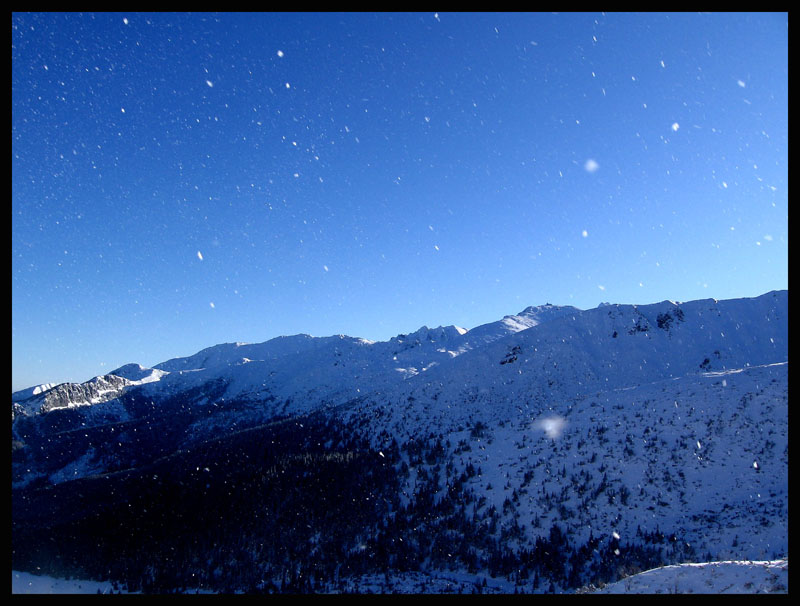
(67, 395)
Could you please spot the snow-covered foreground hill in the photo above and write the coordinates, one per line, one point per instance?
(549, 450)
(739, 577)
(25, 582)
(708, 577)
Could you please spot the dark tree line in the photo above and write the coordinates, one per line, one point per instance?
(301, 505)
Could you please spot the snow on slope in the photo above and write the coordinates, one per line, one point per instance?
(25, 394)
(27, 583)
(100, 389)
(527, 318)
(563, 353)
(707, 451)
(672, 416)
(731, 577)
(607, 348)
(550, 348)
(137, 374)
(503, 367)
(740, 577)
(69, 395)
(628, 345)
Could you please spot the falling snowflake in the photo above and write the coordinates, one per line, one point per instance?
(553, 426)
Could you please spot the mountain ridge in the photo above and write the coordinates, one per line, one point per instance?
(645, 429)
(461, 340)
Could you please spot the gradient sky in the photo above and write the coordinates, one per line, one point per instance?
(183, 180)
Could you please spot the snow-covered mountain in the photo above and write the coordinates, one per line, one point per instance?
(612, 344)
(639, 433)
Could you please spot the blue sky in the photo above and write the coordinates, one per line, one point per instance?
(180, 180)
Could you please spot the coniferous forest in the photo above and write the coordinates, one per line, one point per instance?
(301, 505)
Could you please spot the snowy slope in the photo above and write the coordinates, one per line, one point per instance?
(612, 344)
(731, 577)
(739, 577)
(662, 424)
(705, 455)
(27, 583)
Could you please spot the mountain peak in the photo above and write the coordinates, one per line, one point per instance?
(547, 308)
(440, 333)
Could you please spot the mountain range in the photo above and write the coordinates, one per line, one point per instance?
(553, 449)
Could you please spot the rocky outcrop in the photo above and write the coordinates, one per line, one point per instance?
(66, 395)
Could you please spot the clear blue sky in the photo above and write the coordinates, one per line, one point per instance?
(180, 180)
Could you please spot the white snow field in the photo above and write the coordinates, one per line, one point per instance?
(711, 577)
(737, 577)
